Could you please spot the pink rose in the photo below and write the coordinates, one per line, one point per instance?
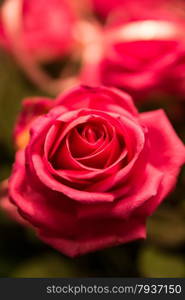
(43, 28)
(94, 169)
(143, 52)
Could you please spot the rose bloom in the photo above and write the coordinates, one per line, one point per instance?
(42, 28)
(93, 168)
(143, 52)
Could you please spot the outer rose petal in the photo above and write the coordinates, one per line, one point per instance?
(32, 108)
(61, 229)
(116, 233)
(136, 54)
(8, 206)
(137, 193)
(167, 152)
(100, 98)
(50, 213)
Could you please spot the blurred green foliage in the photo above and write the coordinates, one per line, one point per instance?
(154, 262)
(13, 88)
(50, 264)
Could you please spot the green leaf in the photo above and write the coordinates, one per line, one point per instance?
(49, 265)
(167, 228)
(153, 262)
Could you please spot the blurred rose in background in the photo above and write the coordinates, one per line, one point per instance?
(43, 28)
(143, 51)
(38, 31)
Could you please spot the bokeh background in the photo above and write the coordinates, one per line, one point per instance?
(162, 254)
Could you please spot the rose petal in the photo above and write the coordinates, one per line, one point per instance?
(96, 98)
(116, 232)
(32, 108)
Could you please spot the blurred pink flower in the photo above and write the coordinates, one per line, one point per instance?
(141, 51)
(42, 28)
(7, 206)
(38, 31)
(32, 108)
